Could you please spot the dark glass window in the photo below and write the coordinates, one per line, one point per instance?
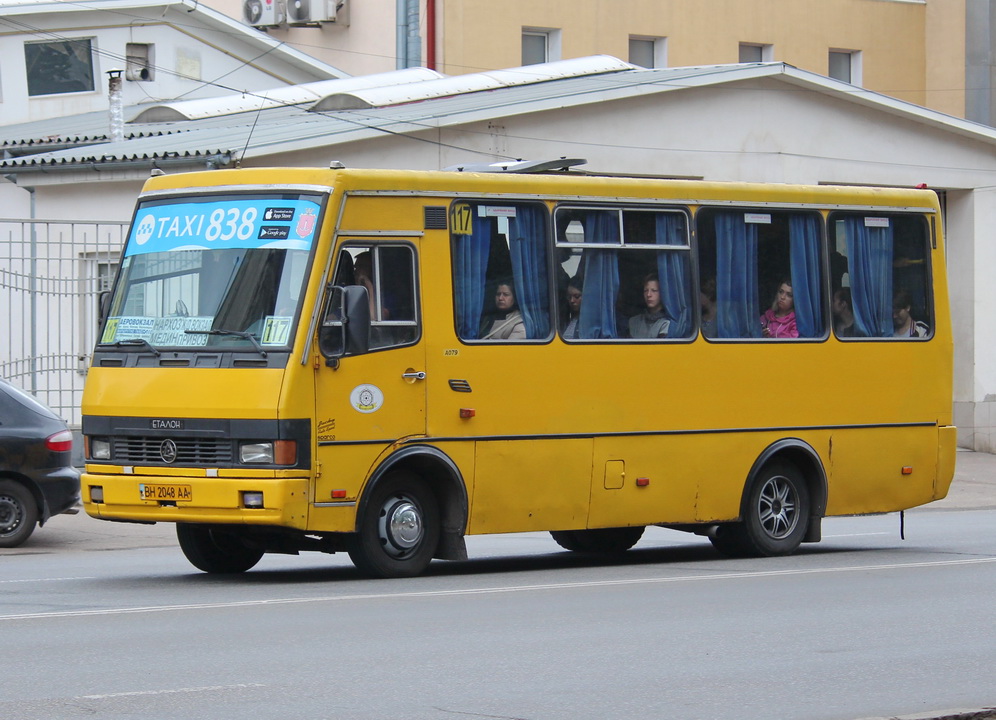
(64, 66)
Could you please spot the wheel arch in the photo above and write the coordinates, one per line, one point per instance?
(32, 487)
(802, 455)
(445, 481)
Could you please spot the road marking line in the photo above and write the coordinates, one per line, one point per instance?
(491, 590)
(206, 688)
(58, 579)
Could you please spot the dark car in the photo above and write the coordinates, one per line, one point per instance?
(37, 478)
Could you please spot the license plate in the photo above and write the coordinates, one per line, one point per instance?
(159, 491)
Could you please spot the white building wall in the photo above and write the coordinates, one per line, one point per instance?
(756, 132)
(189, 62)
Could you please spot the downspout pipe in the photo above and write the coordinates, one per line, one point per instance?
(401, 38)
(414, 45)
(430, 34)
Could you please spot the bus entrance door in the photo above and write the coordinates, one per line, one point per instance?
(375, 400)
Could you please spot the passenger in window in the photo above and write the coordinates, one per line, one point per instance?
(904, 324)
(778, 321)
(650, 323)
(508, 323)
(571, 328)
(363, 275)
(843, 313)
(707, 298)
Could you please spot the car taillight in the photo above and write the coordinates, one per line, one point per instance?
(62, 441)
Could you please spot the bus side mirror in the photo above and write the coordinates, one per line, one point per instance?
(346, 327)
(103, 306)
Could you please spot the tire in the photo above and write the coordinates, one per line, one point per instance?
(775, 515)
(399, 529)
(215, 551)
(18, 513)
(605, 541)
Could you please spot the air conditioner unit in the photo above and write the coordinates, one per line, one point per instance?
(301, 12)
(263, 13)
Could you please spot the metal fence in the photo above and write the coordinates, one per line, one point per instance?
(51, 276)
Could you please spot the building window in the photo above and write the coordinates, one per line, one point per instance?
(139, 61)
(754, 52)
(540, 45)
(63, 66)
(845, 65)
(648, 52)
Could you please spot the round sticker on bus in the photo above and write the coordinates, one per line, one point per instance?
(366, 398)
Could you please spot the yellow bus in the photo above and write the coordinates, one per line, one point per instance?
(384, 362)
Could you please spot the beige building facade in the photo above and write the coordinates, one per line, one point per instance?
(928, 52)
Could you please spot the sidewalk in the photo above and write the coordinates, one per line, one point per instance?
(974, 485)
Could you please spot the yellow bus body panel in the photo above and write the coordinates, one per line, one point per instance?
(562, 436)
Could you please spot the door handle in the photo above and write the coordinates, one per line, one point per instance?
(413, 375)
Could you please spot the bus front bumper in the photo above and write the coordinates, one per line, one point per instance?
(271, 501)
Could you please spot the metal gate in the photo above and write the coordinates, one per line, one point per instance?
(51, 275)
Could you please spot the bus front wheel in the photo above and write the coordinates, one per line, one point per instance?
(599, 540)
(215, 551)
(775, 515)
(399, 530)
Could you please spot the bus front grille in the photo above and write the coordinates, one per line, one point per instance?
(188, 451)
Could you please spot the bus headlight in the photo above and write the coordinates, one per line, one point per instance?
(273, 452)
(100, 449)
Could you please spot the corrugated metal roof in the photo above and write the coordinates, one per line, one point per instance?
(288, 129)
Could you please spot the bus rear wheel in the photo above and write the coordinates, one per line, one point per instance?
(399, 530)
(215, 551)
(600, 540)
(775, 515)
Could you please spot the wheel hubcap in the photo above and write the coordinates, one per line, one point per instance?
(400, 526)
(778, 507)
(10, 515)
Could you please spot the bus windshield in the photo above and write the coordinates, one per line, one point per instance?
(218, 270)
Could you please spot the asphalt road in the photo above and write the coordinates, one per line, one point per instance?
(109, 620)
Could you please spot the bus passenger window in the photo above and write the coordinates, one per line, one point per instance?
(885, 292)
(613, 259)
(500, 271)
(763, 271)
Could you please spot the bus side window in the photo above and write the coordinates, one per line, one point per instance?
(887, 279)
(613, 254)
(751, 257)
(500, 271)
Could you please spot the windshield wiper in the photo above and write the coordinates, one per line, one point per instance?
(237, 333)
(137, 342)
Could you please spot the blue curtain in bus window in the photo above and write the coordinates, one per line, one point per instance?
(527, 247)
(804, 252)
(470, 264)
(738, 313)
(672, 269)
(597, 318)
(869, 266)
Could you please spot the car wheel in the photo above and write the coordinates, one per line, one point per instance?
(18, 513)
(215, 551)
(399, 530)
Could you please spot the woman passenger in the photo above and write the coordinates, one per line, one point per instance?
(651, 323)
(778, 321)
(508, 324)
